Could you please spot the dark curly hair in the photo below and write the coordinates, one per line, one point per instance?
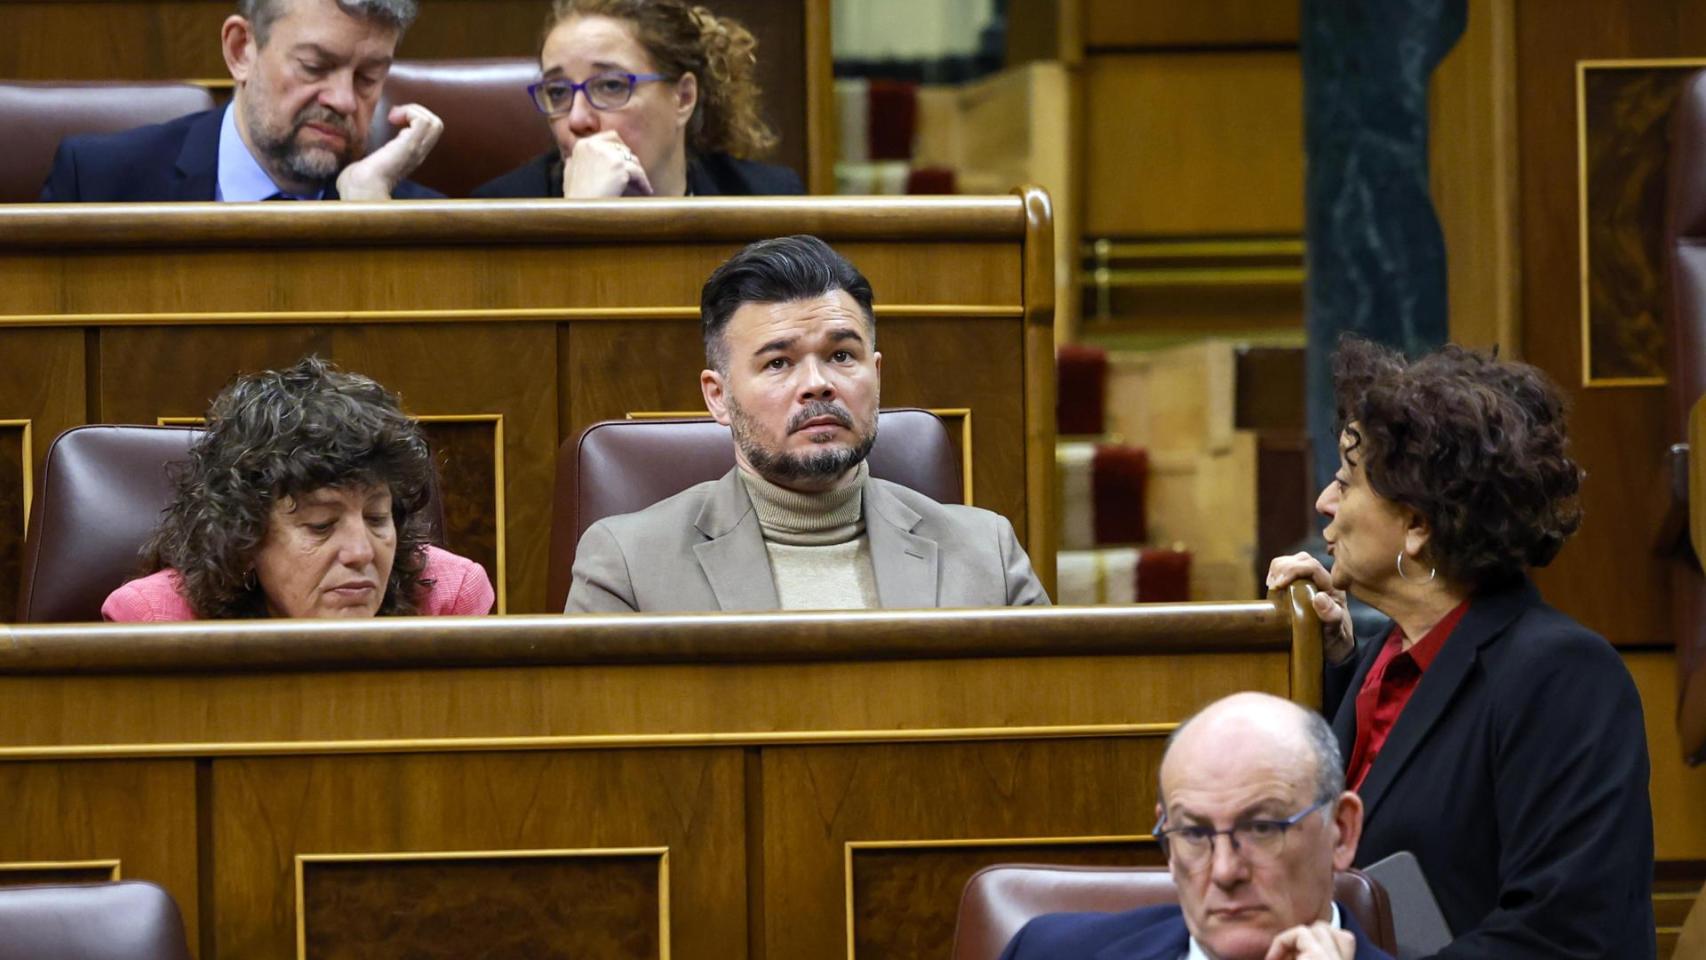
(683, 38)
(1474, 444)
(283, 433)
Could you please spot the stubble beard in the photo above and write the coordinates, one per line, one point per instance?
(317, 165)
(779, 466)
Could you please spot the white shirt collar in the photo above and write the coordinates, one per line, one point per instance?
(1196, 952)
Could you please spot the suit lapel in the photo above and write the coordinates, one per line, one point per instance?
(1345, 721)
(1166, 940)
(904, 562)
(1486, 618)
(733, 555)
(198, 160)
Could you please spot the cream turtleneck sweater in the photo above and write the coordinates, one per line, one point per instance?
(819, 554)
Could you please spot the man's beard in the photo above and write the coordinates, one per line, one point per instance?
(317, 165)
(779, 465)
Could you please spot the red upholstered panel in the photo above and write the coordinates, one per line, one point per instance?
(1082, 378)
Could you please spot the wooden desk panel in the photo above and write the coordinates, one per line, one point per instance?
(544, 316)
(787, 783)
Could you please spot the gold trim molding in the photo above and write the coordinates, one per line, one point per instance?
(27, 458)
(584, 314)
(852, 847)
(113, 867)
(302, 860)
(757, 738)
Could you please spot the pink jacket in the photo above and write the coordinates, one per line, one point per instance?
(460, 587)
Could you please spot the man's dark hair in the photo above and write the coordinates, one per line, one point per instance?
(395, 13)
(782, 270)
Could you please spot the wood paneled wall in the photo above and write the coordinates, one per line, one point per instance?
(733, 786)
(534, 319)
(1506, 147)
(179, 40)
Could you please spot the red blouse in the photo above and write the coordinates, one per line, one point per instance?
(1388, 686)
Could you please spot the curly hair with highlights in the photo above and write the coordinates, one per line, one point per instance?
(1475, 445)
(279, 434)
(720, 52)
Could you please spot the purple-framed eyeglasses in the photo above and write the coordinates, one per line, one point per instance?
(605, 91)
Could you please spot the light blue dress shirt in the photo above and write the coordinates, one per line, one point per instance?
(241, 177)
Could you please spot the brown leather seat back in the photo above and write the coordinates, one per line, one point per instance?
(999, 900)
(36, 116)
(621, 466)
(490, 124)
(130, 920)
(101, 492)
(1686, 247)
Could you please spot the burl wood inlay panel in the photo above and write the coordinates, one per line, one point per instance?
(19, 876)
(13, 483)
(547, 907)
(905, 899)
(466, 454)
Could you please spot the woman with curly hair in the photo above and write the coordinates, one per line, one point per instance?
(647, 98)
(306, 497)
(1495, 738)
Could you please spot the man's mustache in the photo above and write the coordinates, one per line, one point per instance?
(820, 408)
(326, 116)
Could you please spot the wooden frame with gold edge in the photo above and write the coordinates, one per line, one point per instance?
(1582, 68)
(28, 460)
(302, 860)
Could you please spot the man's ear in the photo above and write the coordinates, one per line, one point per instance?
(1347, 817)
(716, 401)
(238, 43)
(686, 98)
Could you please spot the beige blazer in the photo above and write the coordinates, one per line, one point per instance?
(701, 550)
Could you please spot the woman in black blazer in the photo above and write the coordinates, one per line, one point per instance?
(1494, 737)
(646, 98)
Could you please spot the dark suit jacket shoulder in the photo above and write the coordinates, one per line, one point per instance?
(171, 161)
(1148, 933)
(708, 175)
(1517, 773)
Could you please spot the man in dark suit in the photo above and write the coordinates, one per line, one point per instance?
(1254, 819)
(307, 76)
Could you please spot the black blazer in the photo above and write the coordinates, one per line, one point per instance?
(175, 160)
(1147, 933)
(1517, 774)
(708, 175)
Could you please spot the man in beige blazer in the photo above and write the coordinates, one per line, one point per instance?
(799, 523)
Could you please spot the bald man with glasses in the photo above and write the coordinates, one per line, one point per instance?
(1254, 820)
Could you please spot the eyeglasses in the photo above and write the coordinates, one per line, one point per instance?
(605, 91)
(1257, 840)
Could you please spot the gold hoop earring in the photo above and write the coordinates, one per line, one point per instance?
(1401, 576)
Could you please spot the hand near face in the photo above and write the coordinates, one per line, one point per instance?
(1331, 605)
(374, 177)
(1318, 941)
(603, 166)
